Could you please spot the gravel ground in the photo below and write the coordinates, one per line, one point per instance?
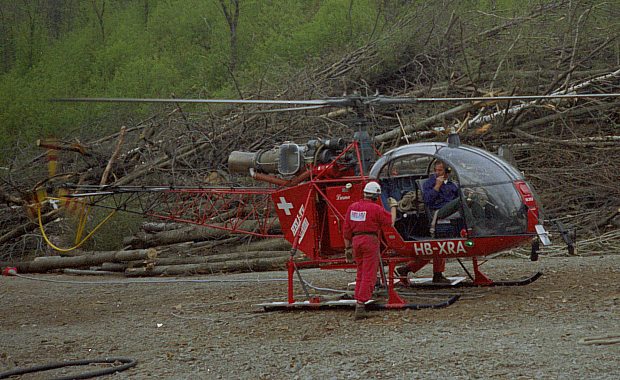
(213, 330)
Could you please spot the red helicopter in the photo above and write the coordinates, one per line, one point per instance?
(310, 187)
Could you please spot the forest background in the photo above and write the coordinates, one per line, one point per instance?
(298, 49)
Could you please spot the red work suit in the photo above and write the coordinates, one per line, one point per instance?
(362, 225)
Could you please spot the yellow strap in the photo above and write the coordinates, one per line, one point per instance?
(84, 211)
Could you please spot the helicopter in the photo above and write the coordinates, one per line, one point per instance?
(310, 186)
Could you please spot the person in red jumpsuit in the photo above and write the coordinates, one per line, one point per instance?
(363, 222)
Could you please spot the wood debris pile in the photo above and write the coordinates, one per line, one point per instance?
(569, 149)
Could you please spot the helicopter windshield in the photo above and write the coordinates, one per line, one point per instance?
(490, 205)
(477, 167)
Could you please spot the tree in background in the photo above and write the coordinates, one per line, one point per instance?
(7, 41)
(231, 12)
(99, 11)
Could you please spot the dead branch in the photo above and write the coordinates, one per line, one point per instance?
(27, 227)
(106, 172)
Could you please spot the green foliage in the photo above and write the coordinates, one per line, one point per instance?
(331, 28)
(173, 47)
(157, 48)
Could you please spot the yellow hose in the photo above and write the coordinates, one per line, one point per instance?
(80, 228)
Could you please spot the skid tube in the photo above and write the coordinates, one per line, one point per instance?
(316, 304)
(521, 282)
(394, 300)
(414, 306)
(479, 279)
(470, 284)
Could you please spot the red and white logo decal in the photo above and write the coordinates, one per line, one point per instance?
(358, 216)
(285, 205)
(297, 222)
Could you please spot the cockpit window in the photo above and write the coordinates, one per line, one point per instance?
(494, 210)
(476, 169)
(411, 165)
(489, 204)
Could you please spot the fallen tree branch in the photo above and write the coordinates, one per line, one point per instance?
(191, 233)
(28, 227)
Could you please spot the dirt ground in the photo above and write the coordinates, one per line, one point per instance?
(213, 330)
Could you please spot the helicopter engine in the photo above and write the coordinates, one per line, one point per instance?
(288, 159)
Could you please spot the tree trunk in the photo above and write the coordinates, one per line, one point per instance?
(99, 12)
(276, 244)
(44, 264)
(247, 265)
(217, 258)
(232, 18)
(193, 233)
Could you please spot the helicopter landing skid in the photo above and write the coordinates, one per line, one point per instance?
(428, 282)
(521, 282)
(470, 284)
(347, 303)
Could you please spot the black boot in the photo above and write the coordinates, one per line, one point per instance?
(438, 278)
(361, 312)
(402, 271)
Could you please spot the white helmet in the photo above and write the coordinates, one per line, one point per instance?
(372, 188)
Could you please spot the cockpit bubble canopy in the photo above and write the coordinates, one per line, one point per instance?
(491, 201)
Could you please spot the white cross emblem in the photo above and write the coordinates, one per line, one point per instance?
(284, 205)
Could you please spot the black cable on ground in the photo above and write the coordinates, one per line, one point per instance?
(127, 363)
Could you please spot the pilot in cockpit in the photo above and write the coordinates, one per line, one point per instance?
(441, 197)
(441, 193)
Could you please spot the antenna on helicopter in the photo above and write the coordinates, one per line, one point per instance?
(454, 140)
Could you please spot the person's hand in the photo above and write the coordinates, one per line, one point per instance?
(439, 181)
(348, 254)
(392, 202)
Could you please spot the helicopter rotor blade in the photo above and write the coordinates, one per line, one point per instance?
(383, 100)
(516, 97)
(317, 102)
(290, 109)
(345, 101)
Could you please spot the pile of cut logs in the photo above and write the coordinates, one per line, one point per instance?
(155, 252)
